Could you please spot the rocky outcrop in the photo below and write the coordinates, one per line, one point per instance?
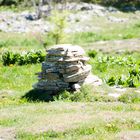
(79, 19)
(65, 68)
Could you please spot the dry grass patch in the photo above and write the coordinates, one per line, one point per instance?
(116, 46)
(129, 135)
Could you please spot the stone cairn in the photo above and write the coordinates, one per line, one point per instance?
(65, 68)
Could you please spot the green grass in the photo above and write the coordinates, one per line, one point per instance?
(8, 122)
(122, 32)
(18, 78)
(20, 42)
(27, 114)
(80, 120)
(108, 66)
(68, 117)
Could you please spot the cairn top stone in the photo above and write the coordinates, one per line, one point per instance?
(66, 50)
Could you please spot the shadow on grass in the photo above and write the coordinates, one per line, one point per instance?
(39, 95)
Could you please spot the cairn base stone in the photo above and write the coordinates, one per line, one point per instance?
(65, 68)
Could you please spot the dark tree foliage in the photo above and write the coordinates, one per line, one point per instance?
(115, 3)
(10, 2)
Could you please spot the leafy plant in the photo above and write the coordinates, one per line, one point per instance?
(92, 53)
(9, 58)
(111, 81)
(129, 77)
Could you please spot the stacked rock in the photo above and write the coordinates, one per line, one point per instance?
(65, 68)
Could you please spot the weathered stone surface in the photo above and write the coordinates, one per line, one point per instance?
(81, 74)
(92, 79)
(67, 48)
(26, 21)
(52, 76)
(72, 68)
(47, 65)
(76, 87)
(65, 68)
(53, 69)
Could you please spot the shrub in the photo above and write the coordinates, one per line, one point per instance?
(111, 81)
(9, 58)
(116, 3)
(126, 81)
(106, 63)
(10, 2)
(92, 53)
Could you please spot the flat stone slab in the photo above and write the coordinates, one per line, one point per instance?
(66, 48)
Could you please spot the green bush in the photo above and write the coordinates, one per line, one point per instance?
(9, 58)
(10, 2)
(92, 53)
(126, 81)
(111, 81)
(116, 3)
(106, 63)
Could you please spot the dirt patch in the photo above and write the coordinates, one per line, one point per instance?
(116, 46)
(7, 133)
(6, 93)
(60, 122)
(129, 135)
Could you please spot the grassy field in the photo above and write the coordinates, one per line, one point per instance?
(91, 113)
(64, 120)
(107, 31)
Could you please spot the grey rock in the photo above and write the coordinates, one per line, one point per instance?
(62, 84)
(52, 76)
(130, 8)
(53, 69)
(68, 48)
(76, 87)
(112, 9)
(27, 21)
(93, 80)
(72, 68)
(117, 20)
(81, 74)
(31, 17)
(65, 68)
